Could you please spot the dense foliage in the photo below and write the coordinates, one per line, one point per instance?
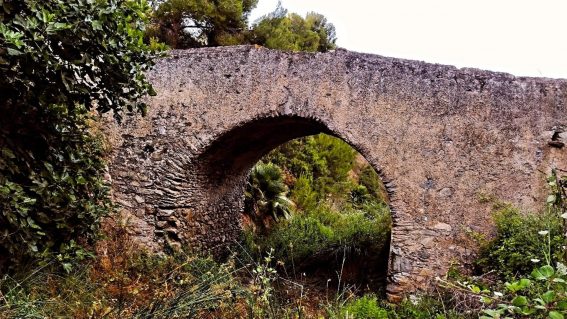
(198, 23)
(518, 242)
(366, 307)
(63, 62)
(536, 285)
(325, 234)
(291, 32)
(543, 294)
(60, 62)
(320, 171)
(317, 169)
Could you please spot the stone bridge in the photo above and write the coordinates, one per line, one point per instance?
(441, 138)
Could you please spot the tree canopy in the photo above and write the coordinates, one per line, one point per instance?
(289, 31)
(197, 23)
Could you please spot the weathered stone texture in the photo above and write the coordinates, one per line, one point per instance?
(439, 136)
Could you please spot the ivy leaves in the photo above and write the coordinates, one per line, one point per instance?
(61, 63)
(91, 52)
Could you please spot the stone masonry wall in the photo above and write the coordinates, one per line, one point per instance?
(439, 136)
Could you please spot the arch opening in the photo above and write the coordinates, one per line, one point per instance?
(231, 158)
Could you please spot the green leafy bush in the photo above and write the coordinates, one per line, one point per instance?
(422, 307)
(529, 252)
(300, 237)
(544, 295)
(326, 232)
(304, 196)
(367, 226)
(518, 242)
(60, 62)
(365, 307)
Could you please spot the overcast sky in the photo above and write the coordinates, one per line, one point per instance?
(519, 37)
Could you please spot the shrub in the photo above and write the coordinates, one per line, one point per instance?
(421, 307)
(542, 295)
(62, 197)
(326, 232)
(303, 194)
(517, 242)
(367, 227)
(533, 243)
(298, 238)
(365, 307)
(60, 61)
(425, 307)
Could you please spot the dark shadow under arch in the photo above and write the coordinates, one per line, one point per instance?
(241, 147)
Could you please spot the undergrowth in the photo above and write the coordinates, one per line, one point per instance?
(121, 282)
(326, 232)
(518, 242)
(524, 265)
(522, 273)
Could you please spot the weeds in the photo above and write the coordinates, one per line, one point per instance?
(121, 282)
(318, 235)
(124, 282)
(535, 242)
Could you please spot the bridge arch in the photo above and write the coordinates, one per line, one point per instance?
(234, 152)
(441, 135)
(228, 160)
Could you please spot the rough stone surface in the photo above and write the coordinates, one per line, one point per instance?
(438, 136)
